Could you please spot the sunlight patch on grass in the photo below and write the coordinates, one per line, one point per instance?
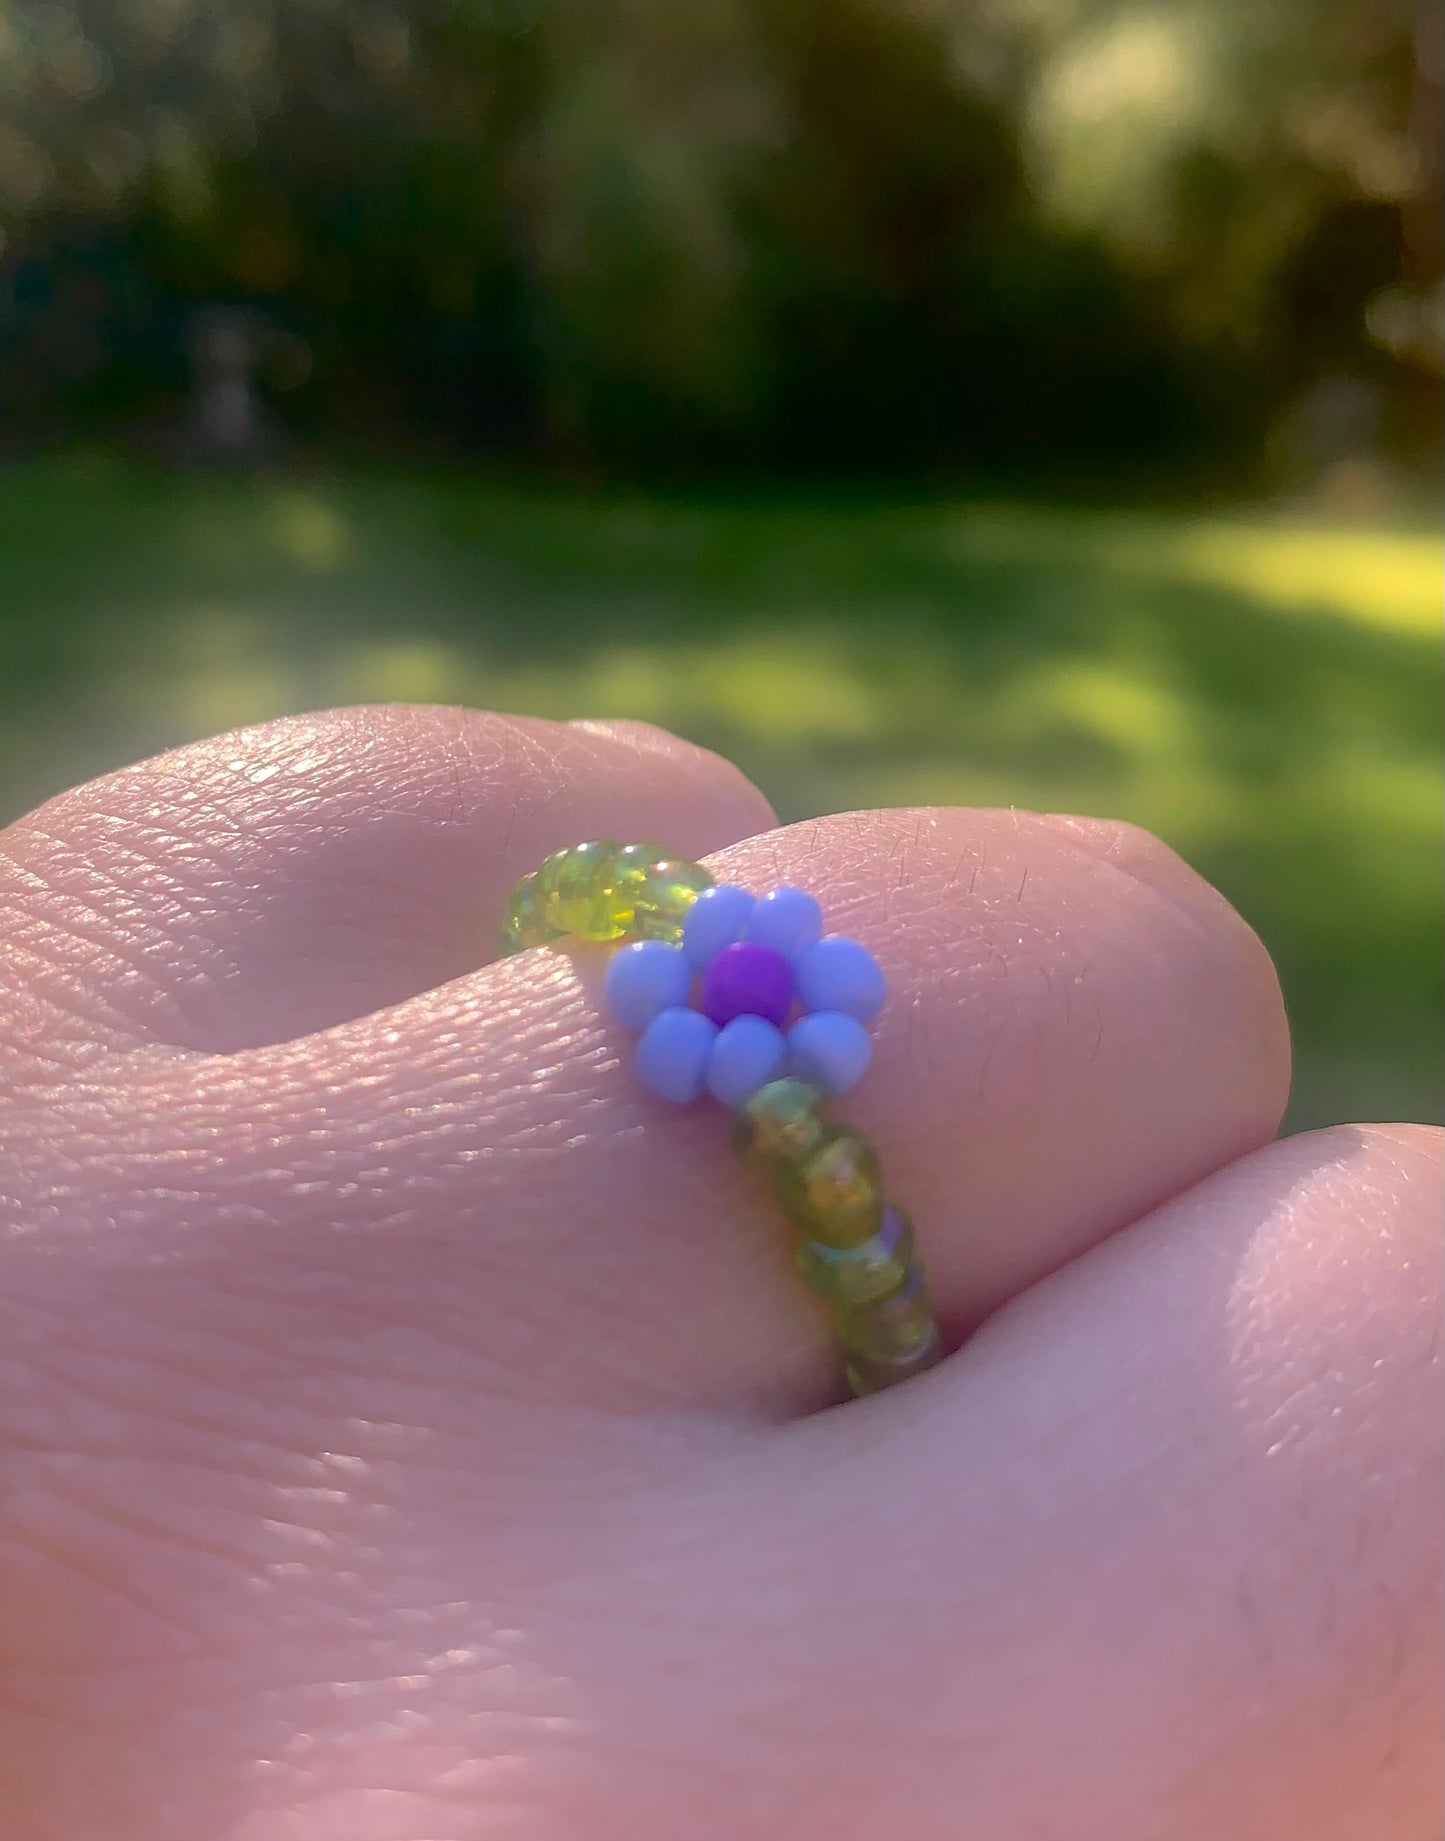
(804, 689)
(311, 531)
(643, 682)
(1391, 581)
(405, 671)
(1390, 809)
(768, 688)
(1191, 809)
(224, 672)
(1117, 703)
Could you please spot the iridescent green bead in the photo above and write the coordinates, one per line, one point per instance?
(832, 1192)
(576, 890)
(630, 870)
(892, 1328)
(869, 1374)
(780, 1124)
(856, 1275)
(522, 925)
(662, 896)
(634, 861)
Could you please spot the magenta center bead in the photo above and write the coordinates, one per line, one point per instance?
(747, 980)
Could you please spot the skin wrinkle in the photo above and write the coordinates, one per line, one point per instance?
(208, 1414)
(1366, 1805)
(453, 1212)
(901, 1574)
(245, 1563)
(438, 1135)
(32, 1527)
(195, 1537)
(271, 832)
(340, 1355)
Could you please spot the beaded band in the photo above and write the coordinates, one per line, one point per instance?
(778, 1026)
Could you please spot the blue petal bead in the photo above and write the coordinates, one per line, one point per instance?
(789, 920)
(643, 979)
(673, 1054)
(717, 918)
(748, 1053)
(841, 974)
(831, 1049)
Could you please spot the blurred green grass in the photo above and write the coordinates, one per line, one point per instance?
(1266, 696)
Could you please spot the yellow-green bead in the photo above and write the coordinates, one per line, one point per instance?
(575, 890)
(523, 925)
(893, 1328)
(630, 870)
(833, 1192)
(567, 882)
(859, 1274)
(781, 1123)
(634, 861)
(662, 897)
(869, 1374)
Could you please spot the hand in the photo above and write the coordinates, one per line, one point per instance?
(411, 1432)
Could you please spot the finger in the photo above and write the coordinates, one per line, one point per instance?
(1072, 1037)
(269, 882)
(1157, 1558)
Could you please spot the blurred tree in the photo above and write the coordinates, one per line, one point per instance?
(1040, 237)
(627, 176)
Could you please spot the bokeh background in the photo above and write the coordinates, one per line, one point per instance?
(1018, 402)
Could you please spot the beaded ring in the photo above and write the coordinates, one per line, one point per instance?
(744, 997)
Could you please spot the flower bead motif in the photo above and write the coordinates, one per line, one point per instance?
(751, 993)
(745, 999)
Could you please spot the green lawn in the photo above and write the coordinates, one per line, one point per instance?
(1266, 697)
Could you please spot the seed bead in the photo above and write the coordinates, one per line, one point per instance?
(629, 871)
(841, 974)
(673, 1053)
(894, 1326)
(856, 1275)
(779, 1125)
(830, 1048)
(662, 896)
(869, 1374)
(747, 980)
(522, 925)
(574, 890)
(833, 1192)
(787, 919)
(748, 1053)
(716, 919)
(644, 979)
